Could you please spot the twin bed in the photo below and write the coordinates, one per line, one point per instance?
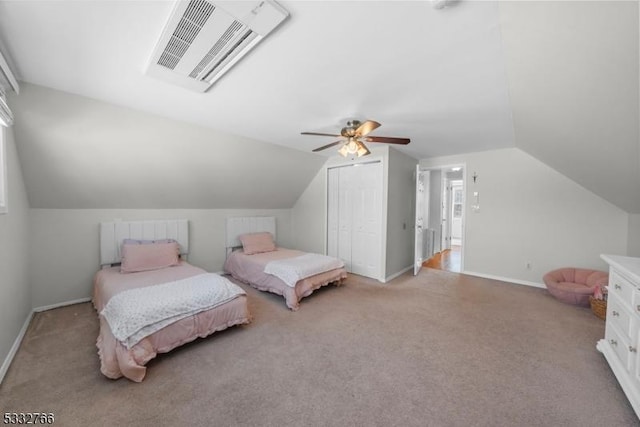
(150, 300)
(249, 266)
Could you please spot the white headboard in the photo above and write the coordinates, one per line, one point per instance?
(113, 233)
(250, 224)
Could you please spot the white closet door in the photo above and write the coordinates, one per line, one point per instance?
(366, 253)
(345, 214)
(333, 207)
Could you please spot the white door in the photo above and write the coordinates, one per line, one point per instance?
(417, 251)
(446, 214)
(354, 217)
(456, 212)
(345, 215)
(366, 251)
(422, 203)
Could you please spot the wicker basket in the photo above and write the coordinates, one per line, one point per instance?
(599, 307)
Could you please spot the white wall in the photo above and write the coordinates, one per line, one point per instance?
(634, 236)
(531, 213)
(65, 244)
(400, 212)
(15, 304)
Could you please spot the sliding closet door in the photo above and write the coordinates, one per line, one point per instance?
(354, 217)
(345, 216)
(366, 254)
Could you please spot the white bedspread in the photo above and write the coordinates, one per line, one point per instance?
(291, 270)
(137, 313)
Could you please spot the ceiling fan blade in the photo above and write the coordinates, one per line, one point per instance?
(367, 127)
(387, 140)
(324, 147)
(320, 134)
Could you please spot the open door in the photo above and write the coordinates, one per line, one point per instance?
(422, 202)
(446, 214)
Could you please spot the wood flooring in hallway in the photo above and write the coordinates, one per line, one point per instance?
(448, 260)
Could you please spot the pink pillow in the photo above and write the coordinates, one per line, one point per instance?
(147, 257)
(255, 243)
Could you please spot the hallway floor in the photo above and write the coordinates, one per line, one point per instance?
(448, 260)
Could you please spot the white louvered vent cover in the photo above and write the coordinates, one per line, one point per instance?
(203, 39)
(6, 116)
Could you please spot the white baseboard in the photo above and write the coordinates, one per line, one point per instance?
(16, 344)
(14, 348)
(61, 304)
(505, 279)
(399, 273)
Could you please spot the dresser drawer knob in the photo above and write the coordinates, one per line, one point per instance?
(632, 349)
(613, 342)
(615, 313)
(617, 286)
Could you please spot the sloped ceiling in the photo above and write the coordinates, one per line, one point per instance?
(479, 75)
(77, 152)
(573, 78)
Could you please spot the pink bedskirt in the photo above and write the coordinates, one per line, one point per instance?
(116, 360)
(250, 269)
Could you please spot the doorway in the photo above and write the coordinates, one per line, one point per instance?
(440, 209)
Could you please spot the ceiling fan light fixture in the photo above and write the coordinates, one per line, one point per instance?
(362, 150)
(352, 146)
(353, 136)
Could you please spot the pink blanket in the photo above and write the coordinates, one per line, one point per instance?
(250, 269)
(116, 360)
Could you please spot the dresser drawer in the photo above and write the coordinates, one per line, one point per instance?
(636, 302)
(621, 287)
(619, 344)
(618, 315)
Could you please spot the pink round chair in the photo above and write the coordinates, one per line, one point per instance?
(574, 285)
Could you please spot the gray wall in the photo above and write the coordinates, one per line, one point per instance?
(15, 304)
(572, 73)
(309, 215)
(65, 244)
(401, 194)
(80, 153)
(531, 213)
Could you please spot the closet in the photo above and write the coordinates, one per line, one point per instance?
(355, 217)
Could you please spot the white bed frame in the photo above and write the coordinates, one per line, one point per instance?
(113, 233)
(249, 224)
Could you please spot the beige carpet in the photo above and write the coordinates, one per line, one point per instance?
(441, 349)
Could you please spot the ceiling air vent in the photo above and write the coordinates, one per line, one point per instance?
(204, 39)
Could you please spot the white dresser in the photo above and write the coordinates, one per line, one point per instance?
(622, 334)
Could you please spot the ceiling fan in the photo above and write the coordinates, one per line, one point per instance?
(355, 135)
